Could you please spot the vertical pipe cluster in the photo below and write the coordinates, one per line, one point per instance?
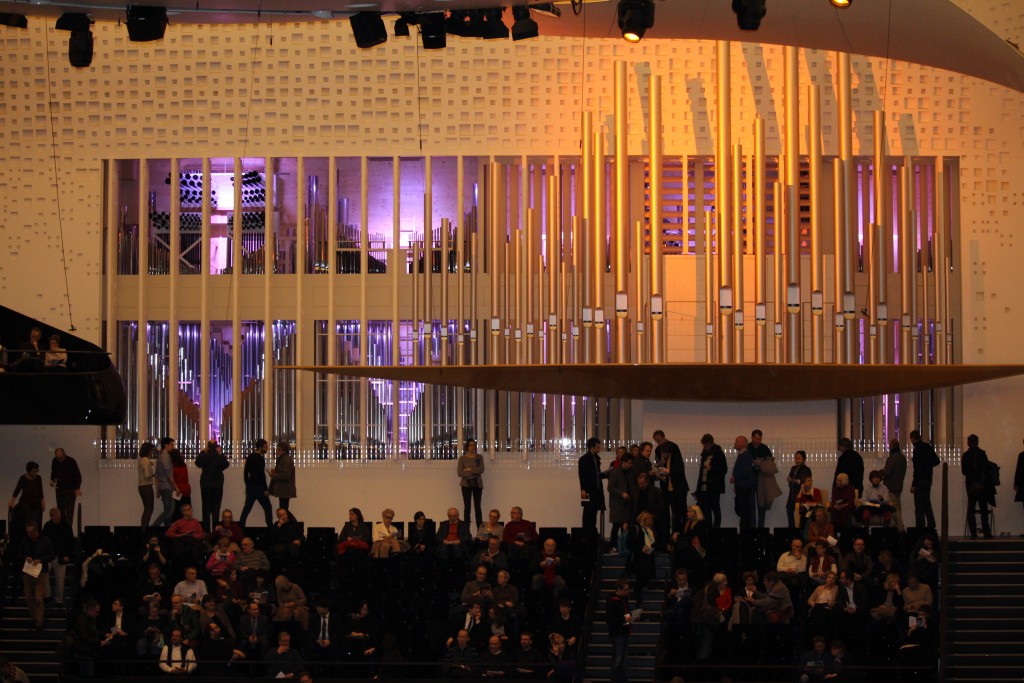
(727, 298)
(621, 223)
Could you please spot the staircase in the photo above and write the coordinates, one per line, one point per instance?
(645, 633)
(985, 610)
(35, 652)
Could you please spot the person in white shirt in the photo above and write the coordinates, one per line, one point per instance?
(192, 589)
(792, 567)
(177, 658)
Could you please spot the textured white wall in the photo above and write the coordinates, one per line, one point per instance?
(307, 90)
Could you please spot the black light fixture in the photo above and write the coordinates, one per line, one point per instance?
(433, 32)
(749, 13)
(494, 27)
(464, 23)
(368, 29)
(524, 26)
(13, 20)
(635, 17)
(80, 42)
(146, 23)
(402, 26)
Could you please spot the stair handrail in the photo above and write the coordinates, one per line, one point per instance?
(593, 596)
(944, 571)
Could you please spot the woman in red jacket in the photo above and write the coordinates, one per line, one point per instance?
(179, 474)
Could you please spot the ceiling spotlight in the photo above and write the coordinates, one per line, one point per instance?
(464, 23)
(843, 4)
(368, 29)
(433, 32)
(146, 23)
(494, 27)
(524, 26)
(80, 42)
(402, 26)
(548, 8)
(749, 13)
(635, 17)
(13, 20)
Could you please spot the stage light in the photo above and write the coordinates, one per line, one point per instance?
(494, 27)
(402, 26)
(80, 42)
(432, 31)
(146, 23)
(368, 29)
(749, 13)
(635, 17)
(13, 20)
(524, 26)
(842, 4)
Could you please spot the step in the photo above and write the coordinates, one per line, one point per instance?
(1004, 662)
(974, 586)
(1000, 649)
(1005, 569)
(22, 655)
(985, 635)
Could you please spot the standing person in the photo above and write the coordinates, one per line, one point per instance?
(622, 493)
(165, 481)
(255, 477)
(1018, 479)
(974, 465)
(62, 538)
(211, 482)
(147, 477)
(711, 480)
(36, 554)
(797, 473)
(744, 480)
(591, 491)
(67, 479)
(676, 487)
(851, 464)
(179, 471)
(30, 489)
(282, 475)
(618, 617)
(924, 461)
(470, 469)
(894, 474)
(767, 487)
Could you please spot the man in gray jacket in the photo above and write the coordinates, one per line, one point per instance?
(282, 475)
(165, 481)
(893, 475)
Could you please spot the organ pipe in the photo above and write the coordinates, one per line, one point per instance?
(723, 195)
(657, 276)
(204, 311)
(760, 245)
(141, 358)
(621, 223)
(817, 238)
(792, 205)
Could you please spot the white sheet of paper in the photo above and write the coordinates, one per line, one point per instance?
(33, 570)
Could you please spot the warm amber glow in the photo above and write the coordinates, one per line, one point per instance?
(842, 3)
(631, 37)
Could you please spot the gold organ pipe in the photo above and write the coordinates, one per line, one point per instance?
(621, 207)
(778, 267)
(600, 234)
(848, 198)
(529, 263)
(236, 312)
(881, 232)
(445, 315)
(332, 325)
(723, 194)
(738, 252)
(395, 269)
(656, 149)
(204, 304)
(141, 350)
(460, 272)
(639, 290)
(709, 289)
(839, 257)
(817, 238)
(940, 268)
(428, 264)
(551, 231)
(577, 272)
(364, 332)
(585, 268)
(908, 278)
(269, 260)
(792, 180)
(760, 246)
(493, 228)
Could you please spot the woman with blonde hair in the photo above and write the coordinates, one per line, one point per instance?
(690, 544)
(643, 543)
(387, 538)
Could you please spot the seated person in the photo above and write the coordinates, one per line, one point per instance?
(474, 622)
(885, 564)
(249, 561)
(227, 526)
(151, 632)
(887, 600)
(492, 558)
(153, 553)
(361, 633)
(185, 619)
(324, 632)
(261, 591)
(453, 538)
(355, 536)
(792, 565)
(820, 565)
(478, 589)
(743, 607)
(188, 540)
(875, 501)
(494, 662)
(924, 559)
(192, 589)
(211, 612)
(561, 662)
(567, 625)
(216, 654)
(822, 603)
(461, 657)
(285, 537)
(858, 562)
(153, 587)
(421, 535)
(821, 530)
(776, 605)
(492, 528)
(851, 603)
(529, 661)
(844, 501)
(387, 539)
(253, 632)
(56, 358)
(176, 657)
(916, 594)
(520, 536)
(31, 359)
(547, 569)
(291, 603)
(815, 664)
(506, 610)
(119, 624)
(283, 661)
(222, 559)
(807, 500)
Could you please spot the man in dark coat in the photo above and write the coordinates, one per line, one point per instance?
(851, 464)
(711, 480)
(744, 479)
(973, 465)
(591, 491)
(254, 475)
(924, 461)
(676, 487)
(1018, 479)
